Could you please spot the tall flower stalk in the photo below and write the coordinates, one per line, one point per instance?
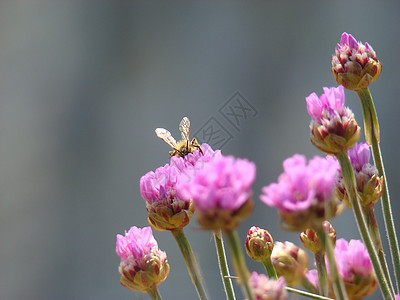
(355, 66)
(370, 114)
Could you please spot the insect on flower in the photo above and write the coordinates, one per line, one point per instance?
(184, 146)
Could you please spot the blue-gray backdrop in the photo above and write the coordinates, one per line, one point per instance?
(83, 85)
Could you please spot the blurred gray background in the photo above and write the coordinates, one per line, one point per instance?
(83, 85)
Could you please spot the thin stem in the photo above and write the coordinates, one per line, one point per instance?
(190, 261)
(239, 263)
(153, 293)
(270, 268)
(368, 211)
(223, 266)
(369, 112)
(309, 295)
(338, 285)
(322, 273)
(350, 184)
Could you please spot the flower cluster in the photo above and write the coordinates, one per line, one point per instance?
(143, 265)
(304, 193)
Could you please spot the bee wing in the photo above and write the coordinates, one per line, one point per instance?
(184, 128)
(166, 136)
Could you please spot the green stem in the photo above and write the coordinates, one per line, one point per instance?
(322, 273)
(351, 188)
(239, 263)
(368, 211)
(223, 266)
(370, 113)
(338, 285)
(153, 293)
(190, 261)
(309, 295)
(270, 268)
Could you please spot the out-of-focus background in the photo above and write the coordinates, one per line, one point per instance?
(83, 85)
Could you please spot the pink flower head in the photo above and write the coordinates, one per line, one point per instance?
(301, 184)
(397, 297)
(331, 101)
(224, 182)
(142, 265)
(195, 159)
(159, 185)
(359, 155)
(352, 259)
(267, 289)
(136, 243)
(304, 192)
(312, 276)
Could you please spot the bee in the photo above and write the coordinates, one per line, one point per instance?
(184, 146)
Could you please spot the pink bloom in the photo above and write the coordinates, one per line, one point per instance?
(359, 155)
(142, 265)
(224, 182)
(332, 100)
(397, 297)
(136, 243)
(312, 276)
(159, 185)
(301, 185)
(352, 259)
(267, 289)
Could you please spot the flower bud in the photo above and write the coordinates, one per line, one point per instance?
(290, 262)
(355, 65)
(142, 265)
(310, 239)
(333, 128)
(267, 289)
(259, 244)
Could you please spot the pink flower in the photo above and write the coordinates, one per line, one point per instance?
(136, 243)
(142, 264)
(267, 289)
(159, 185)
(359, 156)
(224, 182)
(352, 259)
(303, 191)
(221, 191)
(332, 100)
